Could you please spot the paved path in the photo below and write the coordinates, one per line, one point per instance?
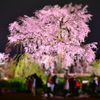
(24, 96)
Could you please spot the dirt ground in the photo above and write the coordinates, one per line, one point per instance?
(25, 96)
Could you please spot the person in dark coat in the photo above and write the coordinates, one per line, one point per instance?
(93, 85)
(40, 86)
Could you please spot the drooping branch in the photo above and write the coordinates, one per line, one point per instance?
(55, 31)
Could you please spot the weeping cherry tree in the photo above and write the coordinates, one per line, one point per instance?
(55, 32)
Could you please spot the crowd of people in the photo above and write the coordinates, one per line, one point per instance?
(34, 83)
(71, 86)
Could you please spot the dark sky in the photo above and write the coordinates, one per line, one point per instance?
(10, 10)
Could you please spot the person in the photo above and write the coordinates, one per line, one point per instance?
(93, 85)
(40, 85)
(28, 84)
(0, 86)
(49, 82)
(33, 85)
(54, 84)
(77, 87)
(66, 86)
(98, 88)
(72, 84)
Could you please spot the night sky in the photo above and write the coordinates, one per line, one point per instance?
(10, 10)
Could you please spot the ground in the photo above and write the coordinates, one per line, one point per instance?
(25, 96)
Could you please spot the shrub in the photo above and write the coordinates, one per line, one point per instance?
(96, 67)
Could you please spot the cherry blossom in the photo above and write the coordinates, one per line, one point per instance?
(56, 31)
(3, 58)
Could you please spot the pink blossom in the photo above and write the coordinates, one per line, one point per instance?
(56, 31)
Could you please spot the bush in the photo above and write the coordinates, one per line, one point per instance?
(4, 83)
(15, 83)
(18, 83)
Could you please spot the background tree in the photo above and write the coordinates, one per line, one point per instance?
(3, 63)
(96, 67)
(55, 32)
(26, 67)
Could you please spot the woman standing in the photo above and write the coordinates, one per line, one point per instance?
(33, 85)
(66, 86)
(77, 87)
(28, 84)
(49, 82)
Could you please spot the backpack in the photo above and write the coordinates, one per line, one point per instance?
(78, 84)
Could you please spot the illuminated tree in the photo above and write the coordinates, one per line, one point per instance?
(3, 58)
(56, 32)
(96, 67)
(3, 61)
